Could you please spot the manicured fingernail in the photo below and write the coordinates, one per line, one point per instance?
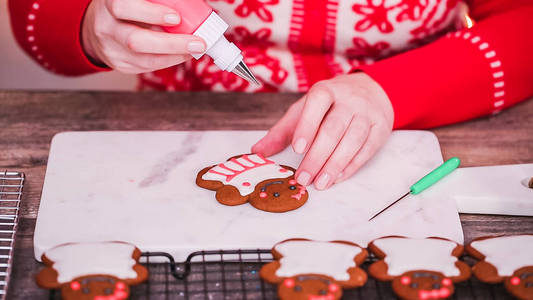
(299, 146)
(172, 19)
(322, 181)
(303, 178)
(196, 47)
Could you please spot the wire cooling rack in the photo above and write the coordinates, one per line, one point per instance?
(11, 185)
(234, 275)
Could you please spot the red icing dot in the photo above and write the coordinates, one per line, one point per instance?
(333, 287)
(445, 293)
(447, 281)
(120, 295)
(246, 183)
(75, 285)
(515, 280)
(263, 195)
(405, 280)
(120, 285)
(282, 170)
(423, 295)
(292, 181)
(289, 283)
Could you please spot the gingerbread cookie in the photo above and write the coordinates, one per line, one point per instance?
(306, 269)
(419, 268)
(92, 270)
(507, 259)
(530, 184)
(255, 179)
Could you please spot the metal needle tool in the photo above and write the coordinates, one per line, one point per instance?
(446, 168)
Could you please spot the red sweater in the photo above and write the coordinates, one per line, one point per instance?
(464, 74)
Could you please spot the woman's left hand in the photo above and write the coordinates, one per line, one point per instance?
(339, 125)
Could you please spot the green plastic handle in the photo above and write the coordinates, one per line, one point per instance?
(446, 168)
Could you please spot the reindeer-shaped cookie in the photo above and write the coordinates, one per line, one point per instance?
(99, 271)
(419, 268)
(313, 270)
(507, 259)
(255, 179)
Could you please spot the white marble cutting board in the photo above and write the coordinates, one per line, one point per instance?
(501, 190)
(140, 187)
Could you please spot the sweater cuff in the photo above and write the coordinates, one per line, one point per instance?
(52, 36)
(436, 84)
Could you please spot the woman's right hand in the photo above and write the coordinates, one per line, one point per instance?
(125, 35)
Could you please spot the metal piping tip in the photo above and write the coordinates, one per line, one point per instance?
(242, 71)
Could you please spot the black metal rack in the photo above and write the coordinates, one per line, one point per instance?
(234, 274)
(11, 185)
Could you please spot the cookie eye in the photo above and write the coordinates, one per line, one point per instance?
(414, 285)
(515, 280)
(276, 194)
(85, 290)
(405, 280)
(529, 284)
(436, 286)
(297, 288)
(322, 292)
(292, 187)
(108, 291)
(75, 285)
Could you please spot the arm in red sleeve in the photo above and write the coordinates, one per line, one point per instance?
(49, 31)
(469, 73)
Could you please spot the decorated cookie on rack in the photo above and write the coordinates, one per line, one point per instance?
(306, 269)
(424, 268)
(255, 179)
(87, 271)
(507, 259)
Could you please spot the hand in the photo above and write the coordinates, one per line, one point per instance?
(117, 33)
(339, 124)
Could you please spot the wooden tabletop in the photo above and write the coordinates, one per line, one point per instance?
(29, 120)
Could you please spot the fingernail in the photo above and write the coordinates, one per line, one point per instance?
(303, 178)
(299, 146)
(322, 181)
(196, 47)
(172, 19)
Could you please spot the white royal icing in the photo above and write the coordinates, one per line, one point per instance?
(507, 253)
(313, 257)
(260, 171)
(106, 258)
(407, 254)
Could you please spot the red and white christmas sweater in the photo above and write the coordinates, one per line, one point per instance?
(434, 69)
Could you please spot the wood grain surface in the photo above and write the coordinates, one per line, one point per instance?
(29, 120)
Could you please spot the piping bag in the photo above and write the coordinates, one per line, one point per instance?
(199, 19)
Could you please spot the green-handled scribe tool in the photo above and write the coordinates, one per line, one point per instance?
(446, 168)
